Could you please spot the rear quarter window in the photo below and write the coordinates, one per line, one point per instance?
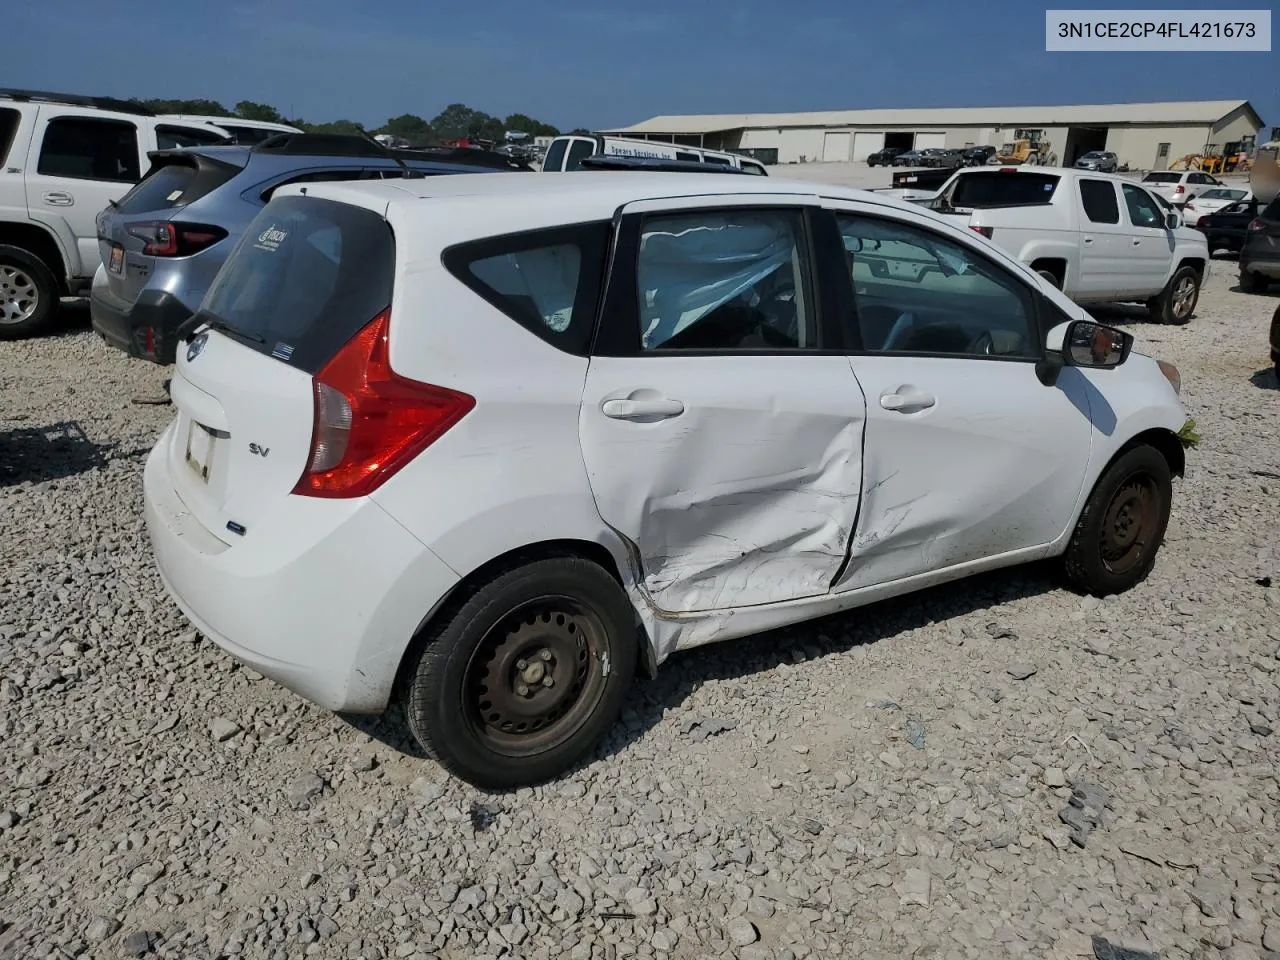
(306, 276)
(548, 281)
(8, 129)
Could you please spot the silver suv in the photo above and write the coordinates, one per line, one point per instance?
(63, 158)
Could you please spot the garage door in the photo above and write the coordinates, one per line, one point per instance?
(835, 146)
(865, 144)
(926, 140)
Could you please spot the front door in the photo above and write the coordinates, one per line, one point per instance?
(1104, 242)
(76, 167)
(967, 456)
(720, 440)
(1151, 244)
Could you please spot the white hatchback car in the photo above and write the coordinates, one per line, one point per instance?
(484, 444)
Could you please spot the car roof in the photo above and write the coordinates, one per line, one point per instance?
(242, 156)
(589, 193)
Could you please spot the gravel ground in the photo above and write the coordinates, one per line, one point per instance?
(895, 782)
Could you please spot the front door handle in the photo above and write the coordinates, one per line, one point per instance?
(907, 402)
(1136, 241)
(1088, 239)
(59, 198)
(656, 409)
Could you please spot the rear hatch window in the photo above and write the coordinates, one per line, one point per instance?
(175, 182)
(978, 190)
(1162, 178)
(306, 276)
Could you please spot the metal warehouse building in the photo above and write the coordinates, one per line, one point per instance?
(1146, 136)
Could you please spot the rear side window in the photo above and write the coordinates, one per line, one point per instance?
(169, 137)
(176, 183)
(306, 276)
(248, 136)
(722, 161)
(1099, 199)
(978, 190)
(555, 156)
(548, 281)
(8, 128)
(90, 149)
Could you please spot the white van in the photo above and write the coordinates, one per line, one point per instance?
(568, 152)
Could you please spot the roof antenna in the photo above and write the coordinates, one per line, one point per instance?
(404, 167)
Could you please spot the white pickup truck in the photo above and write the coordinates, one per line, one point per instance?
(1094, 236)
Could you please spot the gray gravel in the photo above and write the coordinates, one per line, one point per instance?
(872, 785)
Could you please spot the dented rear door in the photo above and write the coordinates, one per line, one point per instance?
(721, 440)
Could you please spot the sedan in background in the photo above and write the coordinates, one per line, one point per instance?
(1225, 229)
(944, 157)
(908, 158)
(885, 157)
(1213, 200)
(977, 156)
(1179, 186)
(1104, 161)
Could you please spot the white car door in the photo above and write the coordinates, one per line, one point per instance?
(1151, 243)
(1104, 242)
(967, 455)
(722, 441)
(77, 165)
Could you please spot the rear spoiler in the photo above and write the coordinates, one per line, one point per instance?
(613, 162)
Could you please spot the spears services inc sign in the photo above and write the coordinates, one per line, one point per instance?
(1243, 31)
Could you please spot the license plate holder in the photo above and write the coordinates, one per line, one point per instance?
(115, 263)
(200, 444)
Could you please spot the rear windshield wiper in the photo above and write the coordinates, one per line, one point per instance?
(198, 320)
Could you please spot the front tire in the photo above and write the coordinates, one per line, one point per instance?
(1114, 545)
(519, 680)
(1177, 301)
(28, 293)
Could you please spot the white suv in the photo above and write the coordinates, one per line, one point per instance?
(488, 443)
(63, 158)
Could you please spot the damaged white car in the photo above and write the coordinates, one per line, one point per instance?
(491, 444)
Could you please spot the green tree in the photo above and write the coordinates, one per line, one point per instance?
(534, 128)
(457, 120)
(409, 127)
(248, 110)
(207, 108)
(347, 127)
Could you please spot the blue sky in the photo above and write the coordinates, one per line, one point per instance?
(575, 63)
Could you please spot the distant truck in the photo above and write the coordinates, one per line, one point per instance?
(1094, 236)
(568, 152)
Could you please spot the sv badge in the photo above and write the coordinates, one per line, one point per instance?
(259, 451)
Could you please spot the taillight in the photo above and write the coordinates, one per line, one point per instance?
(985, 231)
(1203, 221)
(162, 239)
(1255, 223)
(369, 420)
(1179, 189)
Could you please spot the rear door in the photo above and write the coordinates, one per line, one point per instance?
(77, 165)
(721, 433)
(1104, 241)
(307, 275)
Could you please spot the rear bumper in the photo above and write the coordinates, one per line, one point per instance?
(1257, 258)
(126, 325)
(322, 597)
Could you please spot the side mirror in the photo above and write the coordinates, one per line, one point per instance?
(1082, 343)
(1172, 221)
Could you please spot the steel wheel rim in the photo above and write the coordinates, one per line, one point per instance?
(1183, 297)
(19, 297)
(508, 703)
(1129, 524)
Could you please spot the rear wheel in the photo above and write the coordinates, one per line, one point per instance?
(522, 678)
(1122, 525)
(1050, 276)
(1177, 302)
(28, 293)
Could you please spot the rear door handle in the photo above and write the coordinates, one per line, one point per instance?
(658, 409)
(907, 402)
(58, 198)
(1136, 241)
(1088, 239)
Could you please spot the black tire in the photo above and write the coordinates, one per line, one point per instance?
(1122, 525)
(464, 702)
(1050, 276)
(1251, 281)
(1176, 303)
(28, 293)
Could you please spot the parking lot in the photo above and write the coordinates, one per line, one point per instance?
(886, 783)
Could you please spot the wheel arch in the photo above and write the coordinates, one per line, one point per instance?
(596, 553)
(40, 243)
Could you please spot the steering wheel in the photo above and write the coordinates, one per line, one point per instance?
(983, 344)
